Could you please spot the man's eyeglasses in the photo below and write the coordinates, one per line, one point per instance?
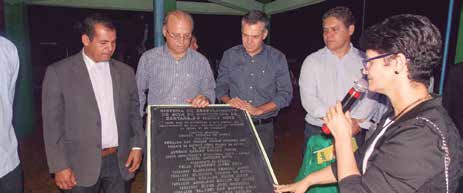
(368, 60)
(179, 37)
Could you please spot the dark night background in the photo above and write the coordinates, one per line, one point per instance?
(296, 33)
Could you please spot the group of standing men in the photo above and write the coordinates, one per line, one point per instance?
(93, 105)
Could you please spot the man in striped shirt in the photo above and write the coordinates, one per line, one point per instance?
(174, 73)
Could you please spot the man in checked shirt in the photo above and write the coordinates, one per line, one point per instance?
(254, 77)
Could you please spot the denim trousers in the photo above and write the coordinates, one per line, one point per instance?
(265, 132)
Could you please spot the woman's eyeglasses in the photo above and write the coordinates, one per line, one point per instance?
(368, 60)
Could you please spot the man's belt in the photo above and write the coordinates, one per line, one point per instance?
(108, 151)
(263, 121)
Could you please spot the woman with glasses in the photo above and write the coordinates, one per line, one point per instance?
(416, 147)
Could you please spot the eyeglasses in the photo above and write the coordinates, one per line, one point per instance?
(179, 37)
(368, 60)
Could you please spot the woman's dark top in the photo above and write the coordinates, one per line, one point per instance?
(409, 157)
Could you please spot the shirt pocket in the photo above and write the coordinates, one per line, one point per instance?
(189, 83)
(238, 75)
(266, 80)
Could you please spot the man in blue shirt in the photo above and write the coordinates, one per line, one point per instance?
(11, 179)
(254, 77)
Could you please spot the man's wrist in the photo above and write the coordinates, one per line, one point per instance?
(259, 111)
(206, 98)
(225, 99)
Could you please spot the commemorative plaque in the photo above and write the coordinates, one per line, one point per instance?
(214, 149)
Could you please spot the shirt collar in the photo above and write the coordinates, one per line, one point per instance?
(165, 50)
(89, 63)
(351, 50)
(264, 49)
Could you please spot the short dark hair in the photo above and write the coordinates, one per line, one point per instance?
(254, 17)
(341, 13)
(412, 35)
(88, 24)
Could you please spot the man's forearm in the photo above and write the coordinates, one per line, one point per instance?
(266, 108)
(314, 106)
(53, 121)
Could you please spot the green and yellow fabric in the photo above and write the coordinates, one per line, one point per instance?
(319, 154)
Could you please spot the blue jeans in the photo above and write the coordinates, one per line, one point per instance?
(310, 130)
(12, 182)
(110, 179)
(265, 132)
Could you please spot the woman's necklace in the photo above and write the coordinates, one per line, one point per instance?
(384, 128)
(408, 107)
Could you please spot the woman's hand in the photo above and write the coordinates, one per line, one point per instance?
(339, 123)
(297, 187)
(323, 176)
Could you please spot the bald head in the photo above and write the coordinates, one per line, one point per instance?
(178, 15)
(177, 29)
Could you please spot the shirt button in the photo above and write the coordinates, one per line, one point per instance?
(250, 101)
(250, 87)
(176, 74)
(175, 98)
(252, 74)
